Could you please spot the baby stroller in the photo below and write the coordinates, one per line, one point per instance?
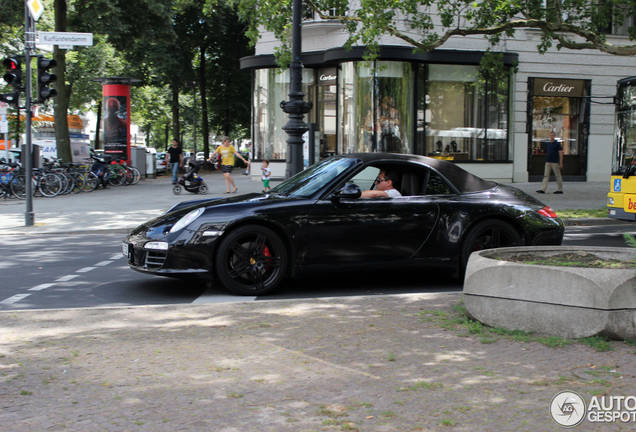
(191, 181)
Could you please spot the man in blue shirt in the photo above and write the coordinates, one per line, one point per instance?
(553, 162)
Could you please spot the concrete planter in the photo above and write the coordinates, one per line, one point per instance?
(561, 301)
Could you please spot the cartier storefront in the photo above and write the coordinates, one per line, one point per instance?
(560, 106)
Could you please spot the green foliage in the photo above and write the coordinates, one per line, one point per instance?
(159, 42)
(428, 24)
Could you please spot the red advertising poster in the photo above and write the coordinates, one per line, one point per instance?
(116, 110)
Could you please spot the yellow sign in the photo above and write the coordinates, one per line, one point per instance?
(36, 7)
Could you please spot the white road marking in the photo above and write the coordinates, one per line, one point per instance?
(86, 269)
(41, 287)
(66, 278)
(14, 298)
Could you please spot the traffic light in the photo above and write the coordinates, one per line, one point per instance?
(45, 79)
(12, 77)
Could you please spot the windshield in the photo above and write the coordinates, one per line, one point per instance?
(307, 182)
(624, 161)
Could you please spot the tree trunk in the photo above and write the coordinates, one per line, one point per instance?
(176, 125)
(167, 135)
(60, 107)
(204, 104)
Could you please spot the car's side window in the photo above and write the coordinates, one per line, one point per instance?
(436, 185)
(365, 179)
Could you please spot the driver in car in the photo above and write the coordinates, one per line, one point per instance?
(383, 186)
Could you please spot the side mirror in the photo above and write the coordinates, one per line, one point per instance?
(349, 191)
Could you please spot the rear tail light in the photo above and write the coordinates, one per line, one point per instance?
(547, 212)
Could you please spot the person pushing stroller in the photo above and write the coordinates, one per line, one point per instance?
(191, 181)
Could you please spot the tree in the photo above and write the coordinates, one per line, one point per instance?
(429, 24)
(60, 110)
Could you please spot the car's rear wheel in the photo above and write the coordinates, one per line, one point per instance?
(488, 234)
(251, 260)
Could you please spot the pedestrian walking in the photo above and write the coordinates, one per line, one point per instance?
(176, 160)
(227, 152)
(553, 162)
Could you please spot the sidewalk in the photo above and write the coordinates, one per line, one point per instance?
(120, 209)
(115, 209)
(376, 363)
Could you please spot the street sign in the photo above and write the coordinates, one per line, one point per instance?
(65, 38)
(36, 7)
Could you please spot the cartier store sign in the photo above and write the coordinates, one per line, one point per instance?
(558, 87)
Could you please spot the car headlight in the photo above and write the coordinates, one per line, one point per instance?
(187, 219)
(155, 245)
(611, 201)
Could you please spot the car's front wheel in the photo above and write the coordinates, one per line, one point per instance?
(251, 260)
(488, 234)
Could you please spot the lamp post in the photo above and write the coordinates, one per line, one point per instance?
(295, 107)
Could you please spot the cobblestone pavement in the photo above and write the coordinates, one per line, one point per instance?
(395, 363)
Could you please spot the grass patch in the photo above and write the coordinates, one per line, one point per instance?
(582, 213)
(448, 422)
(599, 343)
(458, 321)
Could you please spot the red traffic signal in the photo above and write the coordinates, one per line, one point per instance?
(12, 77)
(11, 63)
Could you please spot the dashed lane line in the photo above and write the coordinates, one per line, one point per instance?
(18, 297)
(86, 269)
(66, 278)
(14, 298)
(41, 287)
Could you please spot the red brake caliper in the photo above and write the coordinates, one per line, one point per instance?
(267, 253)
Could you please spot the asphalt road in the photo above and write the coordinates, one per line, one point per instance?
(88, 270)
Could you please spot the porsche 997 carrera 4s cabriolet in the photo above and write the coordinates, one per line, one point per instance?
(319, 220)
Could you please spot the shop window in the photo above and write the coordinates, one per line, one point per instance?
(375, 107)
(559, 115)
(270, 88)
(461, 115)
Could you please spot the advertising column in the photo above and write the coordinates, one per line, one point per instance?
(116, 108)
(117, 120)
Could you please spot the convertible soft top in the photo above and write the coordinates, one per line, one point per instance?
(463, 181)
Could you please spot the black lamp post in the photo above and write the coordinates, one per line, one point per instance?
(295, 107)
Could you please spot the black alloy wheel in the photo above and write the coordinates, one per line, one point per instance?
(488, 234)
(251, 260)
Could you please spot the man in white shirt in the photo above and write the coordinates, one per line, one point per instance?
(383, 186)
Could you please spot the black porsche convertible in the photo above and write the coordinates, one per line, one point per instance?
(317, 221)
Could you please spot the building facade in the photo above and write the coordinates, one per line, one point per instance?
(438, 104)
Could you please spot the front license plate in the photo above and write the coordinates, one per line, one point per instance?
(124, 249)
